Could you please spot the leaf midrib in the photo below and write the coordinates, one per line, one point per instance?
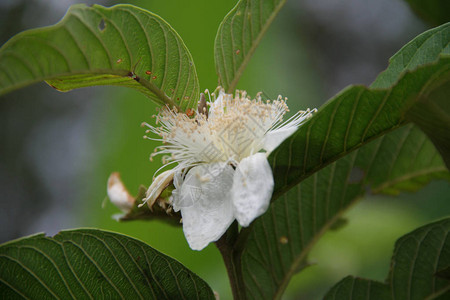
(119, 73)
(255, 43)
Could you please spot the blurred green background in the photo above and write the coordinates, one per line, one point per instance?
(58, 149)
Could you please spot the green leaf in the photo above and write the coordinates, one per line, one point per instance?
(432, 114)
(435, 12)
(423, 49)
(418, 256)
(359, 114)
(122, 45)
(431, 111)
(280, 240)
(400, 160)
(351, 119)
(238, 36)
(358, 288)
(93, 264)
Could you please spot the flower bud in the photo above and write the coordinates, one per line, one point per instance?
(118, 194)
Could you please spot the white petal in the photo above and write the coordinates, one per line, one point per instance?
(252, 188)
(176, 193)
(216, 107)
(275, 137)
(157, 187)
(118, 194)
(205, 202)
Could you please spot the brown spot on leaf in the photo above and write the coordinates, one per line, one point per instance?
(284, 240)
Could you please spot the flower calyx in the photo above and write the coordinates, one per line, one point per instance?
(158, 209)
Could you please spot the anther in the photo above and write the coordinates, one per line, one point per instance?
(190, 112)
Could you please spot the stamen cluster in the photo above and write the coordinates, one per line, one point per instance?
(234, 128)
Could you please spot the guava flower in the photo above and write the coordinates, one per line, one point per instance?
(221, 171)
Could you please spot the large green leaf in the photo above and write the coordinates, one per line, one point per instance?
(431, 110)
(238, 36)
(280, 240)
(400, 160)
(122, 45)
(351, 119)
(418, 258)
(93, 264)
(434, 12)
(359, 114)
(432, 114)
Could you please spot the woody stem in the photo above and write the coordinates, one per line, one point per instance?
(232, 259)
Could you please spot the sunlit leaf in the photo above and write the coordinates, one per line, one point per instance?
(238, 36)
(122, 45)
(418, 256)
(93, 264)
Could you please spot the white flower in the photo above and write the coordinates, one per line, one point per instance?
(222, 172)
